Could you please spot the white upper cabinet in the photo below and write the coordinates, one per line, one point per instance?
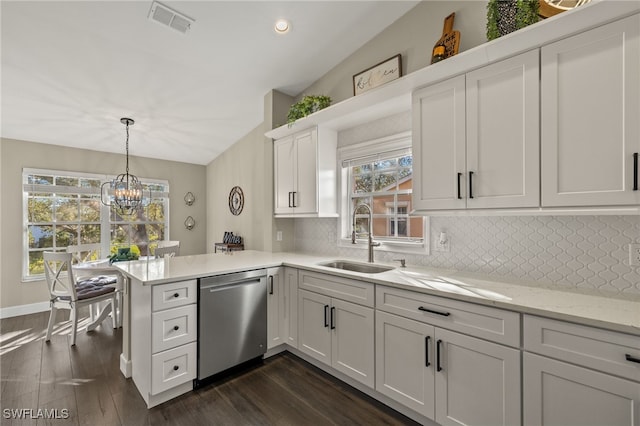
(476, 138)
(439, 145)
(503, 136)
(304, 167)
(591, 117)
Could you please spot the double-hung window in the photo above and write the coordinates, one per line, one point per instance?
(377, 177)
(63, 208)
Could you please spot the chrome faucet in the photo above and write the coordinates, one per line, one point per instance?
(372, 244)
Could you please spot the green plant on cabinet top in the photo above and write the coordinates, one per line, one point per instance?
(307, 105)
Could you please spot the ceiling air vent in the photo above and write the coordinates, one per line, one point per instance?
(168, 17)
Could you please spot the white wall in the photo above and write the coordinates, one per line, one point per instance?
(16, 155)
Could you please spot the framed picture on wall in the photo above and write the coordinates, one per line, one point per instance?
(379, 74)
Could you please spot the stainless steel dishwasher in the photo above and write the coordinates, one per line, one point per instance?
(232, 321)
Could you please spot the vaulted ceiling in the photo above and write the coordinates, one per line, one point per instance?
(72, 69)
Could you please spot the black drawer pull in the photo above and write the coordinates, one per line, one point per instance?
(459, 192)
(426, 351)
(326, 315)
(438, 365)
(632, 358)
(290, 199)
(175, 368)
(270, 284)
(176, 328)
(635, 171)
(176, 295)
(294, 199)
(333, 317)
(470, 184)
(423, 309)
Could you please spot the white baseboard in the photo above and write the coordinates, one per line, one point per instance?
(14, 311)
(125, 366)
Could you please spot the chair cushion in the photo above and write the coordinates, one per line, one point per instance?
(100, 280)
(87, 290)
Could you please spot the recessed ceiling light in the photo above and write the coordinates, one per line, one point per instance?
(281, 26)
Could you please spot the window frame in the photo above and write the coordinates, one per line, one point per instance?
(105, 220)
(380, 146)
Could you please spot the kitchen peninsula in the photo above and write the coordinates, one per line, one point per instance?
(480, 308)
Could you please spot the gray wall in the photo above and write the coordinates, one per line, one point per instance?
(413, 36)
(16, 155)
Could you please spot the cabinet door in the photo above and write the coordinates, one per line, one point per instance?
(477, 382)
(284, 157)
(305, 196)
(275, 307)
(314, 337)
(503, 136)
(439, 146)
(352, 346)
(291, 306)
(590, 109)
(561, 394)
(405, 363)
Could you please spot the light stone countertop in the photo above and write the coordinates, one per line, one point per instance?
(609, 311)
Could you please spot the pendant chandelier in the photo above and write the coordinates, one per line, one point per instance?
(125, 191)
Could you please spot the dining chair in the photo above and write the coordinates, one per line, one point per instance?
(82, 253)
(167, 249)
(67, 293)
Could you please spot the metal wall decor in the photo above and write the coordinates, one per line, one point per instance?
(189, 198)
(189, 223)
(236, 200)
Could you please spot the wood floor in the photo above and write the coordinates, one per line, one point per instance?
(86, 381)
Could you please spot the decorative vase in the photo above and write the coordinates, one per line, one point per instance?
(507, 16)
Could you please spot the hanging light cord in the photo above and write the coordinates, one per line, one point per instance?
(127, 149)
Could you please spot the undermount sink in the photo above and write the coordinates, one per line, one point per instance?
(365, 268)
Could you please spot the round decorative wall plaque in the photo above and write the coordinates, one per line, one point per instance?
(236, 200)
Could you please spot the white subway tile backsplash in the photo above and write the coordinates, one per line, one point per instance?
(587, 252)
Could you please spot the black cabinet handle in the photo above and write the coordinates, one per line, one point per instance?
(294, 199)
(470, 184)
(175, 368)
(631, 358)
(176, 295)
(270, 284)
(438, 365)
(333, 317)
(423, 309)
(426, 351)
(459, 192)
(326, 315)
(176, 328)
(635, 171)
(290, 199)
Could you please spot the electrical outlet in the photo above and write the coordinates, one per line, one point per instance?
(278, 235)
(443, 243)
(634, 254)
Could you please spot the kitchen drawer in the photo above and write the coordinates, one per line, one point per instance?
(475, 320)
(602, 350)
(173, 327)
(173, 367)
(355, 291)
(172, 295)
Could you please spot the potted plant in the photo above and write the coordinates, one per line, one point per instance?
(506, 16)
(307, 105)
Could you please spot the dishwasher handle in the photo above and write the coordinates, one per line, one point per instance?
(230, 279)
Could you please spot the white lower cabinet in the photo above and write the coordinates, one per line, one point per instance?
(276, 309)
(557, 393)
(282, 306)
(337, 333)
(579, 375)
(446, 376)
(164, 339)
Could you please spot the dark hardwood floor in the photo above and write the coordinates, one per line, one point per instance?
(86, 381)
